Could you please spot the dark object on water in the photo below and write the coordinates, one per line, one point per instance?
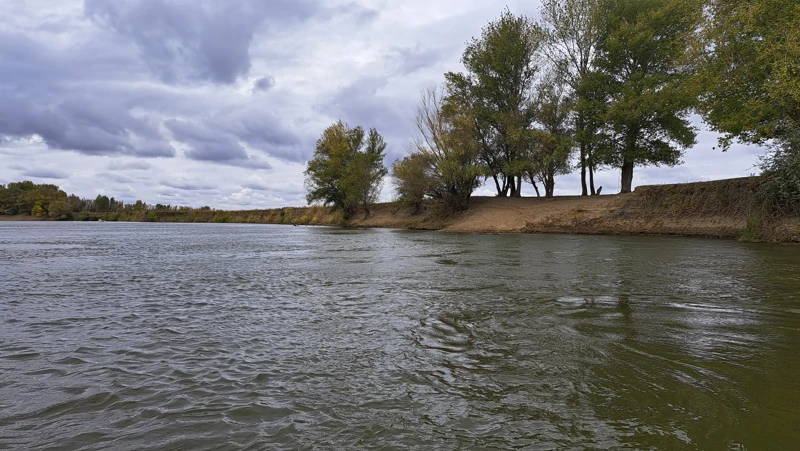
(599, 189)
(294, 224)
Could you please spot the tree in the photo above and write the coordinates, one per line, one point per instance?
(33, 195)
(343, 172)
(750, 75)
(639, 59)
(750, 69)
(8, 200)
(781, 170)
(572, 34)
(443, 163)
(102, 203)
(60, 209)
(552, 145)
(413, 180)
(501, 71)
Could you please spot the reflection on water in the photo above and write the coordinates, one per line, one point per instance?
(150, 336)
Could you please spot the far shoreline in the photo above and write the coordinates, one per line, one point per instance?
(725, 209)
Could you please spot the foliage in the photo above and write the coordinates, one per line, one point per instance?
(781, 170)
(101, 203)
(749, 68)
(29, 198)
(750, 77)
(412, 180)
(640, 64)
(552, 144)
(347, 168)
(443, 163)
(497, 90)
(42, 200)
(571, 27)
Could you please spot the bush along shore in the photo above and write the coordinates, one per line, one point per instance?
(731, 209)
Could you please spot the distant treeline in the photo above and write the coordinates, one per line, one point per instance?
(47, 200)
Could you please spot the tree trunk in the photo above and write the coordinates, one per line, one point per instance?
(497, 185)
(627, 176)
(516, 186)
(535, 188)
(549, 186)
(583, 170)
(591, 179)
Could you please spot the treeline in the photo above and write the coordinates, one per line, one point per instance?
(46, 200)
(595, 84)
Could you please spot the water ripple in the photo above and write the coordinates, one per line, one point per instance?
(157, 336)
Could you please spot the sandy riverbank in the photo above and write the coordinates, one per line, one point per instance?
(720, 209)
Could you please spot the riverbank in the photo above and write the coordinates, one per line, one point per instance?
(720, 209)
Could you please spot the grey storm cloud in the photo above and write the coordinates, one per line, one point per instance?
(210, 144)
(264, 131)
(195, 40)
(204, 143)
(93, 94)
(264, 83)
(83, 125)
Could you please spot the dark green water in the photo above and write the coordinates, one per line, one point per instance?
(148, 336)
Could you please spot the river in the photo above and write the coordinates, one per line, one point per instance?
(220, 336)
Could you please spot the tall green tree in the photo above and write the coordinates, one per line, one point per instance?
(102, 203)
(641, 66)
(501, 71)
(749, 66)
(553, 141)
(572, 34)
(347, 168)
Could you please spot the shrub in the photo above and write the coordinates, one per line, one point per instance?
(781, 170)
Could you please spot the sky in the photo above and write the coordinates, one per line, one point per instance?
(220, 103)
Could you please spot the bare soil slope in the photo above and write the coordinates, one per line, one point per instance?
(721, 209)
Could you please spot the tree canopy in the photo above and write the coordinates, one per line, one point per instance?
(498, 90)
(443, 162)
(571, 27)
(642, 70)
(750, 69)
(347, 168)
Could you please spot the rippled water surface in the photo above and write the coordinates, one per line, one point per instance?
(156, 336)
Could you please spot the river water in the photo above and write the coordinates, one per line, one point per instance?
(179, 336)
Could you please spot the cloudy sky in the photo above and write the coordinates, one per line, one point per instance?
(207, 102)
